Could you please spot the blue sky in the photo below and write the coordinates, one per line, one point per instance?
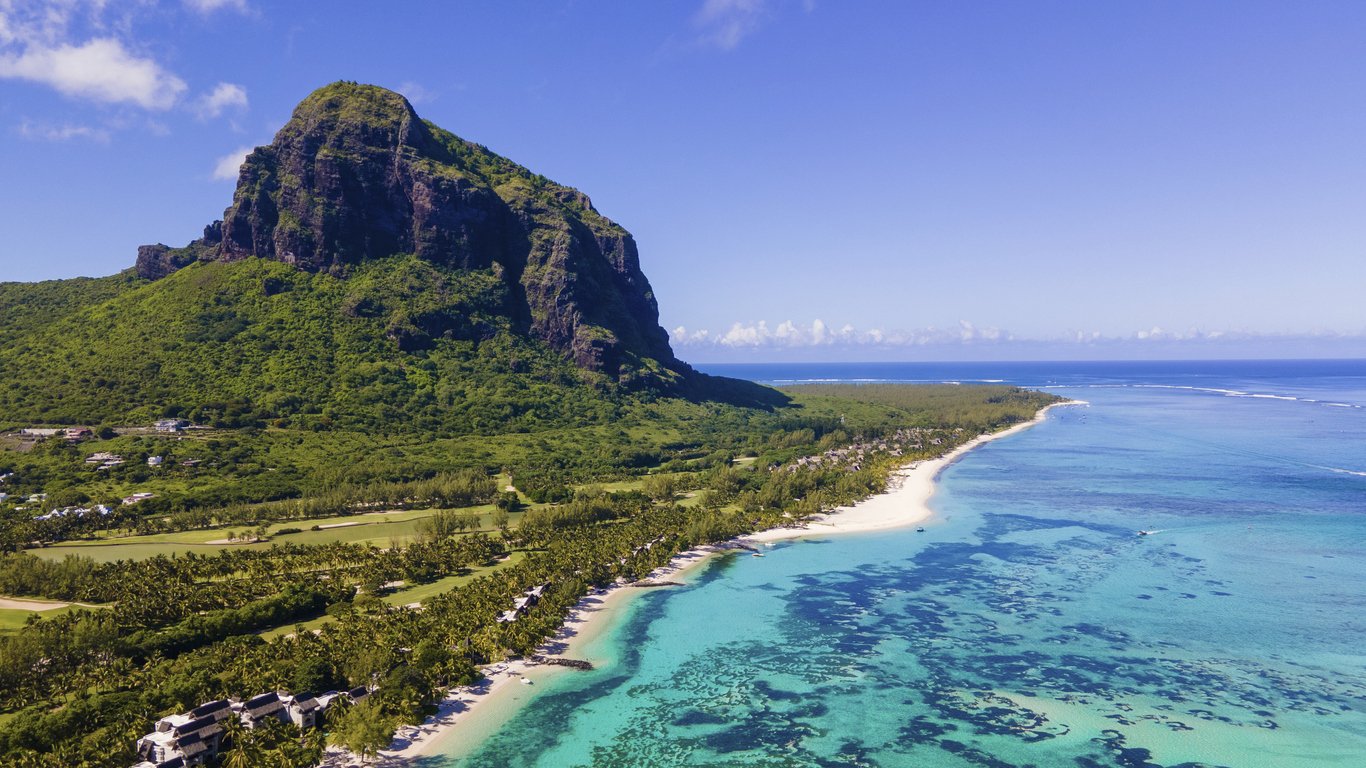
(806, 179)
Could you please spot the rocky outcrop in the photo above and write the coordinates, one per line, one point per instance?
(159, 260)
(156, 261)
(356, 175)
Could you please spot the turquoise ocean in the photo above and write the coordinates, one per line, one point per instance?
(1028, 625)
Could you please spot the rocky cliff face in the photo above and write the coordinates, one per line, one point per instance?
(356, 175)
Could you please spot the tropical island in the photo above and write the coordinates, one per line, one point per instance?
(386, 423)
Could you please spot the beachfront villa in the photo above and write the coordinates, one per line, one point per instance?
(521, 604)
(188, 739)
(196, 737)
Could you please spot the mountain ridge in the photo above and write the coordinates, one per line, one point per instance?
(373, 272)
(356, 175)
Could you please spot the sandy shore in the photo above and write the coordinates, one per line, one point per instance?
(481, 709)
(907, 498)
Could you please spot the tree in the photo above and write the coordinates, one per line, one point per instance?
(364, 730)
(241, 750)
(501, 519)
(660, 487)
(313, 674)
(508, 501)
(362, 667)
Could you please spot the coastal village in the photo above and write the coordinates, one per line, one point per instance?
(25, 439)
(856, 453)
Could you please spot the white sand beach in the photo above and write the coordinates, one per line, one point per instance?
(907, 498)
(481, 709)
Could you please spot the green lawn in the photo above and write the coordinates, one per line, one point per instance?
(419, 592)
(13, 619)
(379, 529)
(407, 595)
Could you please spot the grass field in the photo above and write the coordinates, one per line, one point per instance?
(419, 592)
(15, 612)
(12, 619)
(405, 596)
(380, 529)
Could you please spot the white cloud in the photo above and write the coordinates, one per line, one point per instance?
(209, 6)
(64, 132)
(724, 23)
(746, 335)
(223, 96)
(229, 166)
(818, 334)
(100, 70)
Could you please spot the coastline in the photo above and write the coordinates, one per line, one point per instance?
(905, 502)
(482, 708)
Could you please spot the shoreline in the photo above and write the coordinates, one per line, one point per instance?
(906, 500)
(484, 707)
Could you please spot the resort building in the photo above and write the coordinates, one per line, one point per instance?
(522, 604)
(191, 738)
(196, 737)
(254, 711)
(303, 710)
(104, 459)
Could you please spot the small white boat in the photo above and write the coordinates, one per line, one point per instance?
(526, 681)
(1146, 533)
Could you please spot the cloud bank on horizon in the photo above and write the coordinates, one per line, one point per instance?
(817, 339)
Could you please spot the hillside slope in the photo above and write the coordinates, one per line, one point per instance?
(373, 271)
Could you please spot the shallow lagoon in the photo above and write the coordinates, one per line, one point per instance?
(1029, 625)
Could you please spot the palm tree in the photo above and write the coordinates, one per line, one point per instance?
(241, 751)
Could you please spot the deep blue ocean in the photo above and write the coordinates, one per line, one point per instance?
(1029, 625)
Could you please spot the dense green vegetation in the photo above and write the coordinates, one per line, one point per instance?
(258, 343)
(970, 407)
(25, 307)
(81, 685)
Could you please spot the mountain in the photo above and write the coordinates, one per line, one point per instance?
(356, 175)
(372, 269)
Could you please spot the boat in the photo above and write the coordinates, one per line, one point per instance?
(526, 681)
(920, 530)
(1146, 533)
